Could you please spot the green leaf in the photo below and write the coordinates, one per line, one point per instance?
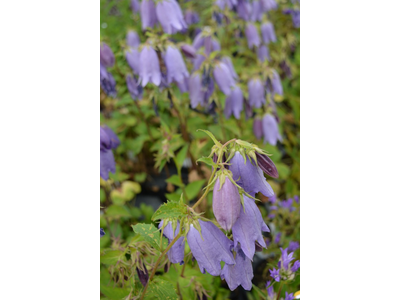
(283, 170)
(117, 211)
(174, 197)
(149, 233)
(207, 160)
(211, 136)
(111, 257)
(180, 157)
(175, 180)
(161, 289)
(193, 188)
(114, 293)
(140, 177)
(170, 210)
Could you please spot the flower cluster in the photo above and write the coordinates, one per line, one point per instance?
(286, 270)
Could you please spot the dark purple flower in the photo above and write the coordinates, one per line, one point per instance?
(293, 246)
(289, 296)
(226, 203)
(107, 58)
(132, 56)
(149, 67)
(249, 176)
(148, 14)
(257, 11)
(143, 275)
(295, 266)
(239, 274)
(275, 274)
(223, 78)
(256, 92)
(134, 88)
(102, 233)
(257, 128)
(268, 5)
(263, 53)
(253, 38)
(108, 141)
(270, 130)
(176, 68)
(234, 103)
(248, 228)
(132, 39)
(170, 16)
(243, 9)
(268, 33)
(267, 165)
(276, 83)
(191, 17)
(227, 61)
(210, 250)
(277, 239)
(189, 51)
(135, 6)
(177, 251)
(107, 82)
(286, 69)
(248, 110)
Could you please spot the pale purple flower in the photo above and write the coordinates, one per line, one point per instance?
(189, 51)
(198, 61)
(134, 88)
(191, 17)
(275, 274)
(263, 53)
(183, 85)
(293, 246)
(268, 32)
(276, 83)
(286, 258)
(132, 39)
(248, 228)
(102, 233)
(256, 92)
(297, 199)
(249, 176)
(270, 290)
(268, 5)
(253, 38)
(227, 61)
(277, 239)
(225, 3)
(176, 68)
(107, 82)
(257, 128)
(209, 43)
(177, 251)
(257, 11)
(289, 296)
(296, 18)
(243, 9)
(210, 250)
(135, 6)
(170, 16)
(226, 203)
(108, 141)
(148, 14)
(107, 58)
(132, 56)
(295, 266)
(234, 103)
(196, 91)
(270, 130)
(223, 78)
(239, 274)
(149, 67)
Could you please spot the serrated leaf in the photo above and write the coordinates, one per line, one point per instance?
(175, 180)
(193, 188)
(149, 233)
(207, 160)
(111, 257)
(161, 289)
(180, 157)
(170, 210)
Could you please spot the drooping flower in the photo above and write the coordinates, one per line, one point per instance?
(183, 85)
(148, 14)
(296, 18)
(249, 176)
(225, 3)
(267, 165)
(132, 56)
(263, 53)
(276, 83)
(170, 16)
(177, 251)
(256, 11)
(102, 233)
(107, 82)
(149, 67)
(207, 41)
(239, 274)
(257, 128)
(253, 38)
(234, 103)
(135, 6)
(248, 228)
(107, 58)
(270, 130)
(226, 202)
(189, 51)
(132, 39)
(210, 250)
(268, 5)
(143, 275)
(196, 92)
(108, 141)
(268, 32)
(243, 9)
(198, 61)
(223, 78)
(275, 274)
(176, 68)
(227, 61)
(256, 92)
(191, 17)
(134, 88)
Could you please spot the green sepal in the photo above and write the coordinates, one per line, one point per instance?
(211, 136)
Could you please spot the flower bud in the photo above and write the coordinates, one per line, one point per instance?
(143, 275)
(189, 51)
(257, 128)
(267, 165)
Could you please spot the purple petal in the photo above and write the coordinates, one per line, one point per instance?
(234, 103)
(253, 38)
(268, 33)
(106, 55)
(177, 252)
(224, 78)
(107, 163)
(270, 130)
(195, 90)
(176, 68)
(132, 39)
(257, 128)
(149, 68)
(239, 274)
(256, 93)
(132, 56)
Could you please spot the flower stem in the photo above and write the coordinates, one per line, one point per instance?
(280, 289)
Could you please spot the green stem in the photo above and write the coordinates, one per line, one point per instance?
(280, 289)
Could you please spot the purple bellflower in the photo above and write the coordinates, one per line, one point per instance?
(268, 5)
(134, 88)
(143, 275)
(276, 83)
(226, 203)
(189, 51)
(107, 58)
(288, 204)
(257, 128)
(223, 78)
(270, 130)
(256, 12)
(208, 42)
(249, 176)
(275, 274)
(183, 85)
(210, 250)
(295, 266)
(256, 93)
(196, 91)
(268, 33)
(198, 61)
(148, 14)
(227, 61)
(248, 228)
(108, 141)
(170, 16)
(277, 239)
(177, 251)
(267, 165)
(243, 9)
(226, 3)
(132, 56)
(132, 39)
(253, 38)
(297, 199)
(191, 17)
(176, 68)
(296, 18)
(135, 6)
(286, 258)
(107, 82)
(239, 274)
(289, 296)
(270, 291)
(149, 67)
(234, 103)
(102, 233)
(263, 53)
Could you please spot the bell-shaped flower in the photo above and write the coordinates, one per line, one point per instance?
(256, 92)
(253, 38)
(189, 51)
(107, 82)
(210, 44)
(268, 32)
(132, 39)
(268, 5)
(223, 78)
(276, 83)
(271, 130)
(230, 4)
(256, 11)
(243, 9)
(170, 16)
(132, 56)
(239, 274)
(191, 17)
(134, 88)
(226, 202)
(198, 61)
(149, 67)
(266, 165)
(234, 103)
(296, 18)
(135, 6)
(176, 68)
(249, 176)
(227, 61)
(108, 141)
(248, 228)
(107, 58)
(196, 92)
(210, 250)
(102, 233)
(263, 53)
(177, 251)
(148, 14)
(143, 274)
(257, 128)
(183, 85)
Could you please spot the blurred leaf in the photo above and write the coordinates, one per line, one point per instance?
(112, 257)
(193, 188)
(175, 180)
(114, 293)
(173, 197)
(147, 211)
(102, 195)
(117, 211)
(170, 210)
(180, 157)
(207, 160)
(149, 233)
(161, 289)
(283, 170)
(140, 177)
